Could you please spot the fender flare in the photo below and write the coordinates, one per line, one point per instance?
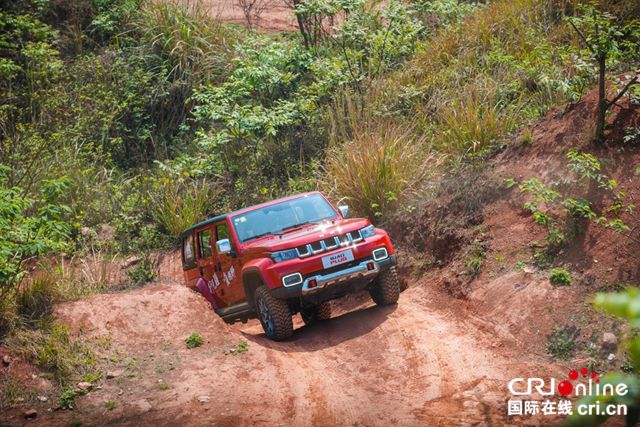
(252, 278)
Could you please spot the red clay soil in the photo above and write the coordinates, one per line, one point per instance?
(442, 356)
(277, 16)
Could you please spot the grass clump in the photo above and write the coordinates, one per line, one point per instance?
(242, 347)
(375, 166)
(562, 341)
(52, 348)
(110, 405)
(194, 341)
(560, 277)
(68, 398)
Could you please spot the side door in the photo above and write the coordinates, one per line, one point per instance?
(189, 262)
(207, 265)
(229, 266)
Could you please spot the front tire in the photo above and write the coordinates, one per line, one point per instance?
(385, 289)
(274, 315)
(312, 313)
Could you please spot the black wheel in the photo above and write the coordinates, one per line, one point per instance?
(274, 314)
(385, 289)
(312, 313)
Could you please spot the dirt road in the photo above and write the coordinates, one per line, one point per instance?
(421, 362)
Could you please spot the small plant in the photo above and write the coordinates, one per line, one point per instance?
(242, 347)
(93, 377)
(560, 277)
(474, 259)
(473, 265)
(110, 405)
(586, 169)
(67, 398)
(194, 341)
(164, 386)
(143, 272)
(561, 341)
(520, 265)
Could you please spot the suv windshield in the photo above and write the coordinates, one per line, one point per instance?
(282, 216)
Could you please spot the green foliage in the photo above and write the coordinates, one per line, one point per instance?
(586, 170)
(560, 277)
(624, 305)
(29, 227)
(143, 272)
(603, 36)
(194, 340)
(474, 259)
(68, 398)
(110, 405)
(607, 44)
(561, 342)
(242, 347)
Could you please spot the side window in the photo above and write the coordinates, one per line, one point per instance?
(204, 243)
(188, 252)
(222, 232)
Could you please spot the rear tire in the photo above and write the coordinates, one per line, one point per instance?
(385, 289)
(274, 315)
(311, 314)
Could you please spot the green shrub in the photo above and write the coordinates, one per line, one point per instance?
(194, 340)
(68, 398)
(561, 342)
(143, 272)
(110, 405)
(560, 277)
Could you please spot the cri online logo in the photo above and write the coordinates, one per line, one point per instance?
(526, 386)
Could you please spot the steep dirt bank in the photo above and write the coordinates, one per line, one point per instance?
(418, 363)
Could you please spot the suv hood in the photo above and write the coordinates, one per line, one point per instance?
(307, 234)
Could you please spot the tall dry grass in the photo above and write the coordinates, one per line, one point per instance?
(179, 205)
(373, 165)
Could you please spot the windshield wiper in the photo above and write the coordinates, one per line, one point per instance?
(259, 236)
(292, 227)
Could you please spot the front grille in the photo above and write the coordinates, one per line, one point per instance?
(329, 243)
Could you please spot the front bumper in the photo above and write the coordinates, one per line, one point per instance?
(335, 284)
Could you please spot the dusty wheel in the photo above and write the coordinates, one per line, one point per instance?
(385, 289)
(312, 313)
(274, 315)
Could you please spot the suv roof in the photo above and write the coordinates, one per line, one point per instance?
(247, 209)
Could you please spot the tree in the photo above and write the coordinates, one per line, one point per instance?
(253, 10)
(607, 43)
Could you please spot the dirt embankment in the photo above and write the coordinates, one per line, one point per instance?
(414, 364)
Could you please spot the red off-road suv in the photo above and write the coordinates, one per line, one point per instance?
(290, 255)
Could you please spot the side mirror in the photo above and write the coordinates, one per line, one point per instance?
(344, 210)
(223, 246)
